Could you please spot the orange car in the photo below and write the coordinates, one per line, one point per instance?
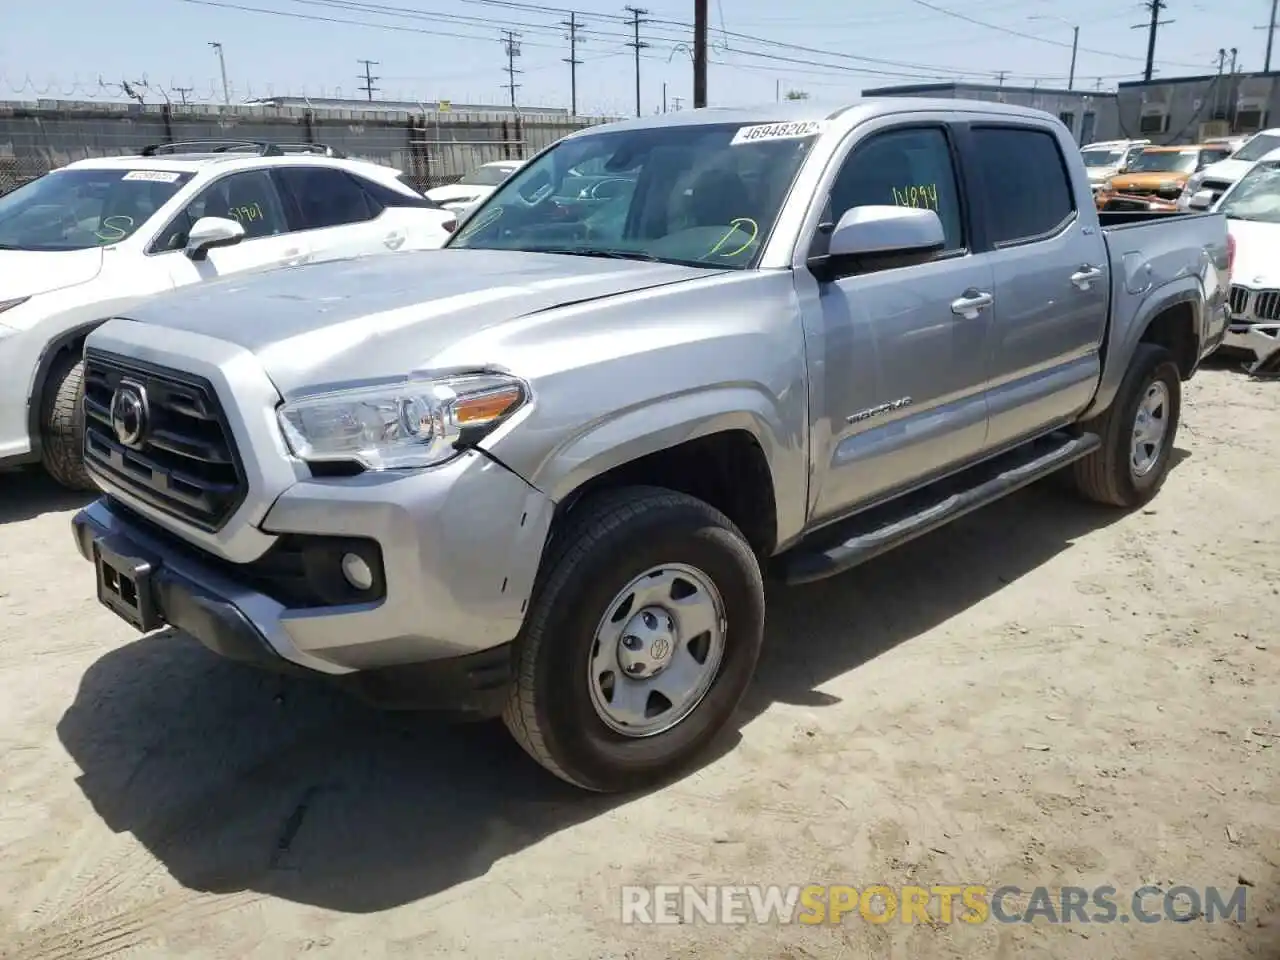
(1157, 175)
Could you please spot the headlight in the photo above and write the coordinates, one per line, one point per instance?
(1168, 186)
(10, 304)
(1192, 184)
(415, 423)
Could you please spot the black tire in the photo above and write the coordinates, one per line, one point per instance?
(1106, 476)
(608, 540)
(62, 426)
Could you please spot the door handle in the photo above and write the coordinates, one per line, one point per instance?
(295, 257)
(1084, 277)
(394, 240)
(971, 303)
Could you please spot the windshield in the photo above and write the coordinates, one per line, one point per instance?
(1256, 196)
(486, 176)
(1257, 148)
(1164, 161)
(1102, 158)
(704, 195)
(78, 209)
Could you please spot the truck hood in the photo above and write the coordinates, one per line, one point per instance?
(385, 316)
(26, 273)
(1257, 246)
(1147, 181)
(1101, 174)
(1230, 170)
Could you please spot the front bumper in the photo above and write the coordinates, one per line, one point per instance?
(460, 546)
(1259, 339)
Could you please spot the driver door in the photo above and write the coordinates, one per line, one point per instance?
(250, 198)
(897, 356)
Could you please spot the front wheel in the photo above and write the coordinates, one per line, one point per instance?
(1137, 433)
(62, 426)
(642, 638)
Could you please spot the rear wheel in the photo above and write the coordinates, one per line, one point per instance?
(641, 640)
(1137, 433)
(62, 425)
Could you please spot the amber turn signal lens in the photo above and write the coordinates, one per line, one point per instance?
(477, 410)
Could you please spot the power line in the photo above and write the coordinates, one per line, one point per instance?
(369, 88)
(573, 61)
(1155, 6)
(637, 45)
(511, 45)
(1030, 36)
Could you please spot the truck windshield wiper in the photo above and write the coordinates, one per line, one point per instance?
(601, 252)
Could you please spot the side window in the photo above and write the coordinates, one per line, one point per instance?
(326, 197)
(250, 198)
(905, 168)
(1026, 188)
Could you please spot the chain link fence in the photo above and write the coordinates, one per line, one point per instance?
(430, 148)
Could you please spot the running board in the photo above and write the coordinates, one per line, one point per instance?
(866, 535)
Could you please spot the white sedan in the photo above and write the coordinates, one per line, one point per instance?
(91, 239)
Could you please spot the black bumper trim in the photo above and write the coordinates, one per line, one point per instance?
(475, 685)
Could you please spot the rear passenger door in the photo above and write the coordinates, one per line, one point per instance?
(1051, 279)
(338, 217)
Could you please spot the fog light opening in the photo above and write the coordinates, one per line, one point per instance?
(356, 571)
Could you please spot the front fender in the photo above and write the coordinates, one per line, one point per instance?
(626, 435)
(1124, 335)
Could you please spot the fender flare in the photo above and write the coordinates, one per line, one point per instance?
(627, 435)
(1122, 342)
(40, 377)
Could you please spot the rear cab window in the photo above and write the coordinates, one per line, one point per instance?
(1026, 192)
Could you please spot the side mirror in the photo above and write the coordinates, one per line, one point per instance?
(1201, 200)
(877, 238)
(210, 232)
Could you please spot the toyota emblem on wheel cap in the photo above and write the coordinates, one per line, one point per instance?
(129, 413)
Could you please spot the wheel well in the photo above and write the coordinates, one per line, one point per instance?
(1175, 330)
(727, 470)
(70, 343)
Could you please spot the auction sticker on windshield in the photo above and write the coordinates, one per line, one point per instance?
(778, 131)
(154, 176)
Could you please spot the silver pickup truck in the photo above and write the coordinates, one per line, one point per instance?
(543, 473)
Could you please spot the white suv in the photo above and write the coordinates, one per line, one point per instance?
(87, 241)
(1218, 177)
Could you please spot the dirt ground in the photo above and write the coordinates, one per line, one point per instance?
(1044, 694)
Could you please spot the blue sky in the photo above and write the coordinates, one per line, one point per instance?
(429, 49)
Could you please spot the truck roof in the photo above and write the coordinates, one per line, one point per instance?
(850, 113)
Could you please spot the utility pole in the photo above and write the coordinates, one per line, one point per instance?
(182, 92)
(1155, 6)
(675, 104)
(636, 14)
(511, 44)
(1234, 53)
(777, 91)
(1000, 75)
(1271, 35)
(369, 88)
(222, 65)
(572, 60)
(1075, 45)
(699, 53)
(664, 96)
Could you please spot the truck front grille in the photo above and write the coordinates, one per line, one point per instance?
(1252, 306)
(181, 459)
